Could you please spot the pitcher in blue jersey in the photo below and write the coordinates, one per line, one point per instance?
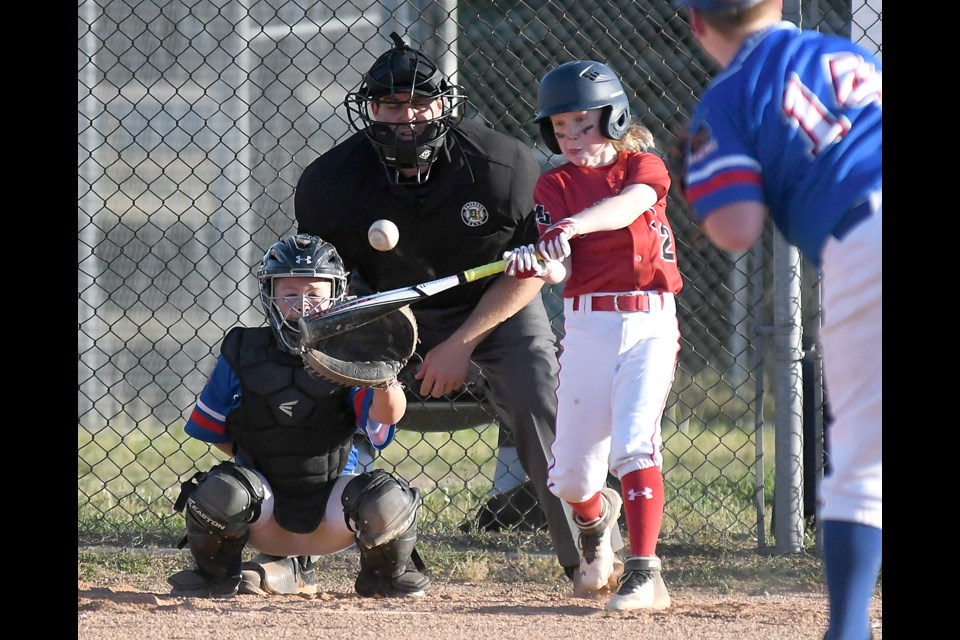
(792, 128)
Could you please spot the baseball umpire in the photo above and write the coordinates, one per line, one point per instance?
(461, 194)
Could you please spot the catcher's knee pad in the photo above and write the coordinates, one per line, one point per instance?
(379, 508)
(385, 569)
(220, 505)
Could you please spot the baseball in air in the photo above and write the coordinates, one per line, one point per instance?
(383, 235)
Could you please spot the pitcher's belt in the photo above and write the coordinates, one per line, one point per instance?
(852, 218)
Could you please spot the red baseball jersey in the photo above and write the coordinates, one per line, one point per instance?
(639, 257)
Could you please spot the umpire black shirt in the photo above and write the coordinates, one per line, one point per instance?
(477, 203)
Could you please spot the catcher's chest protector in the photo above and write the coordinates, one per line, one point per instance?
(288, 421)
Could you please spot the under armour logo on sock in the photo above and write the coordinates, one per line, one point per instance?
(646, 492)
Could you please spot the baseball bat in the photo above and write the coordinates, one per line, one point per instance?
(360, 311)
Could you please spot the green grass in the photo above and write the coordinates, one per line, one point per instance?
(129, 482)
(127, 485)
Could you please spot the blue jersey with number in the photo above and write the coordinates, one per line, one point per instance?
(795, 121)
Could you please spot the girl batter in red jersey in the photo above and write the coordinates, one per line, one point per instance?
(602, 214)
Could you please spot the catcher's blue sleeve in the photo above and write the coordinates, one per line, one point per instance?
(220, 396)
(380, 435)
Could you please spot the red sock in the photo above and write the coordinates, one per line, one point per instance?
(588, 509)
(643, 507)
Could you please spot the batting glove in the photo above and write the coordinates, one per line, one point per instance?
(522, 263)
(554, 243)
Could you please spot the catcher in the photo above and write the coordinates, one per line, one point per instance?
(289, 490)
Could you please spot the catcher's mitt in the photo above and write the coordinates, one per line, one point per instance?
(369, 356)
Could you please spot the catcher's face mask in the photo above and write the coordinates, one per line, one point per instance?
(296, 297)
(292, 298)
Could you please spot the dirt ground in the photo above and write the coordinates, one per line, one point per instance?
(448, 611)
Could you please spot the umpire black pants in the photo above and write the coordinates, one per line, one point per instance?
(519, 362)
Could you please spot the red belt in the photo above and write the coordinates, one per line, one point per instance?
(635, 302)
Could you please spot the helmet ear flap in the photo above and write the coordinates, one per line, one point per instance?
(615, 127)
(548, 135)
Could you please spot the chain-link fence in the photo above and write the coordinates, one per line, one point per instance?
(194, 121)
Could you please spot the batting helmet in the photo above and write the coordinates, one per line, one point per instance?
(581, 85)
(404, 70)
(304, 256)
(715, 5)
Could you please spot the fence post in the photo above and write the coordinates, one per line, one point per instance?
(788, 397)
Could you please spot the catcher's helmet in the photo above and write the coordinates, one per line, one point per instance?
(304, 256)
(581, 85)
(404, 70)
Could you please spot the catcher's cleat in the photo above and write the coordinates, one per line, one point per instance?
(279, 575)
(371, 583)
(641, 586)
(597, 557)
(190, 583)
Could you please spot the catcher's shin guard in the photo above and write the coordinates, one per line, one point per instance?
(383, 512)
(220, 505)
(378, 507)
(385, 570)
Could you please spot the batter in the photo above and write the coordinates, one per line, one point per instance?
(603, 214)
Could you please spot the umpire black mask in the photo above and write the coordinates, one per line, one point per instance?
(405, 76)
